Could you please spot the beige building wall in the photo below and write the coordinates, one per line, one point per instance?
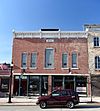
(92, 52)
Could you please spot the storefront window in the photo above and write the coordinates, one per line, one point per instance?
(81, 85)
(57, 82)
(4, 85)
(33, 85)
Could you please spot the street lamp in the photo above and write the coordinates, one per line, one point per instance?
(10, 83)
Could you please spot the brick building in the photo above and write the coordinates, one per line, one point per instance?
(50, 59)
(4, 79)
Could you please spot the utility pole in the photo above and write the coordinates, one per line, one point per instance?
(10, 83)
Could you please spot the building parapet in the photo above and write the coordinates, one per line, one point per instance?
(51, 34)
(92, 27)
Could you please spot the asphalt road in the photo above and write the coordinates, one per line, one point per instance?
(82, 107)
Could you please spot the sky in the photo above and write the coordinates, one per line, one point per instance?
(32, 15)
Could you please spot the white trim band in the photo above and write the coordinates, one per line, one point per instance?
(51, 34)
(51, 74)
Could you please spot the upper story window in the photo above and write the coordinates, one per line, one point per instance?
(49, 58)
(24, 60)
(74, 60)
(64, 60)
(33, 59)
(96, 41)
(97, 62)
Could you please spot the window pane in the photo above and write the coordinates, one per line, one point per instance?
(24, 59)
(96, 59)
(49, 58)
(96, 41)
(64, 60)
(56, 93)
(33, 59)
(97, 62)
(74, 60)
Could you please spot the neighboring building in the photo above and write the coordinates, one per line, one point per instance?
(93, 32)
(4, 79)
(50, 59)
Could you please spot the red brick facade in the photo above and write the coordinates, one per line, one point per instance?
(29, 45)
(51, 78)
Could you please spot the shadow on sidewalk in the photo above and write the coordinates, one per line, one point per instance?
(82, 106)
(87, 106)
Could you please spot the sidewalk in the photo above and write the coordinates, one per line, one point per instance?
(88, 99)
(21, 101)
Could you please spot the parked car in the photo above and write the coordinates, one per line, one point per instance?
(66, 97)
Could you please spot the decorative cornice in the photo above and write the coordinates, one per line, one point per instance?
(51, 34)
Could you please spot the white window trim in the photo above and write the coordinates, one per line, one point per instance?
(23, 67)
(48, 68)
(33, 68)
(97, 69)
(75, 68)
(65, 68)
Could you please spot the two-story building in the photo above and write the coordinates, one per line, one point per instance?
(4, 79)
(49, 59)
(93, 31)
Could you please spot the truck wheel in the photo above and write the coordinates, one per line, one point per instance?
(70, 104)
(43, 104)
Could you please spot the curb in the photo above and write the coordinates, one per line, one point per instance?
(17, 104)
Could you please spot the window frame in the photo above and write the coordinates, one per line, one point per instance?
(66, 61)
(96, 41)
(97, 62)
(45, 58)
(22, 60)
(76, 60)
(35, 61)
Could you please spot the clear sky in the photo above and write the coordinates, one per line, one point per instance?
(32, 15)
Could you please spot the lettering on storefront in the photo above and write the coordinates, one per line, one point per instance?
(80, 89)
(4, 86)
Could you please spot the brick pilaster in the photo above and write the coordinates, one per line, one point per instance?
(49, 84)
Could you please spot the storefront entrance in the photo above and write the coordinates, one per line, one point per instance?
(30, 85)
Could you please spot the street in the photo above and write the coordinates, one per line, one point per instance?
(81, 107)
